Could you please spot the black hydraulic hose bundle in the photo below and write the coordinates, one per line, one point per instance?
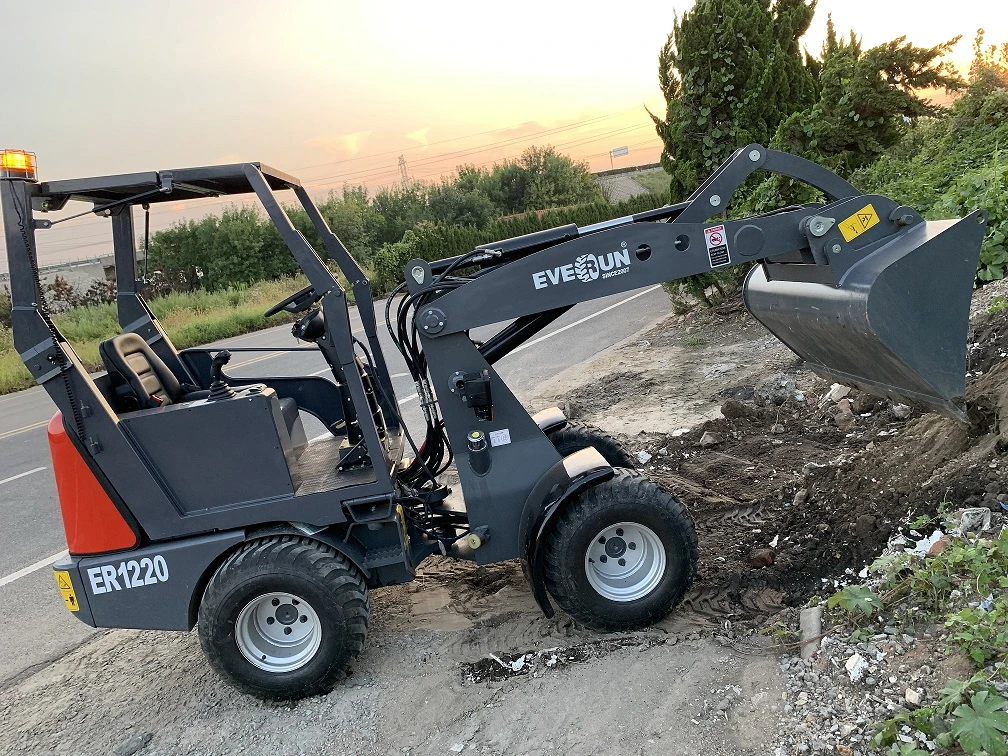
(434, 455)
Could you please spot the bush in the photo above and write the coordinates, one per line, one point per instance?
(429, 241)
(5, 308)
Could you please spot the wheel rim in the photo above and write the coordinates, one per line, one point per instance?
(278, 632)
(625, 562)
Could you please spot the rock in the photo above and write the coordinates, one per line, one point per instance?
(800, 497)
(901, 411)
(847, 729)
(862, 403)
(643, 457)
(458, 748)
(837, 392)
(733, 409)
(844, 750)
(775, 390)
(709, 439)
(939, 546)
(777, 428)
(993, 487)
(802, 699)
(810, 624)
(856, 667)
(912, 697)
(844, 417)
(760, 558)
(136, 743)
(864, 526)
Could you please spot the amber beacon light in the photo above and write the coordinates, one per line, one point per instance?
(18, 164)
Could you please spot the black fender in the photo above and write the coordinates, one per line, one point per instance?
(550, 420)
(562, 482)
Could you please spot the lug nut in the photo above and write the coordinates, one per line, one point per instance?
(603, 558)
(276, 602)
(303, 618)
(601, 539)
(619, 531)
(287, 631)
(632, 545)
(622, 562)
(270, 620)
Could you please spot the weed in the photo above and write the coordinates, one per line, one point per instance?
(694, 340)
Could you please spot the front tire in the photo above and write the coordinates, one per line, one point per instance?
(575, 436)
(282, 617)
(621, 555)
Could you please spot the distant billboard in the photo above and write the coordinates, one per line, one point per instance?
(620, 152)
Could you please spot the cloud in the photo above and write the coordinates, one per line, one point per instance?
(343, 145)
(419, 136)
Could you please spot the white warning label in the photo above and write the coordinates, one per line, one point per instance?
(500, 437)
(717, 246)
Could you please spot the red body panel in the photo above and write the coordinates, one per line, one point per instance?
(92, 523)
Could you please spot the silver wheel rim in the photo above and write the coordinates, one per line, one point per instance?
(625, 562)
(278, 632)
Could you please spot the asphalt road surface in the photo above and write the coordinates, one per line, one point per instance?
(36, 625)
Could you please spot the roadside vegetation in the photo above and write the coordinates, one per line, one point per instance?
(960, 585)
(190, 318)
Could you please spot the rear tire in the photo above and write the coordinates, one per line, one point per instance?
(282, 617)
(576, 436)
(621, 555)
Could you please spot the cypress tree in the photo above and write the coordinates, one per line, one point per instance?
(731, 71)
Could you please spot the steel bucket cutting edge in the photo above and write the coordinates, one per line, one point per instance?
(897, 323)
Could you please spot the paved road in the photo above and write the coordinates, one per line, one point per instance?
(37, 627)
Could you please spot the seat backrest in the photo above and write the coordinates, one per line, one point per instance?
(129, 360)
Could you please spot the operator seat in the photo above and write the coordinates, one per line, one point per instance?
(141, 379)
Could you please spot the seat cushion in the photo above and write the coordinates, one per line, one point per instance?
(130, 361)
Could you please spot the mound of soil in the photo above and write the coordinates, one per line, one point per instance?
(785, 501)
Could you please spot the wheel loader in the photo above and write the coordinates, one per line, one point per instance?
(191, 497)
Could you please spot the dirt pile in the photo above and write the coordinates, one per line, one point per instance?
(788, 497)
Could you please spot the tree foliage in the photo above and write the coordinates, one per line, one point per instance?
(866, 100)
(731, 71)
(241, 246)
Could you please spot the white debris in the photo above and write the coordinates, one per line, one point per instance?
(518, 664)
(773, 543)
(458, 748)
(679, 432)
(924, 544)
(856, 667)
(912, 697)
(974, 520)
(901, 411)
(643, 457)
(838, 392)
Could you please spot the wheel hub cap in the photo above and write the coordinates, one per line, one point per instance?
(625, 562)
(278, 632)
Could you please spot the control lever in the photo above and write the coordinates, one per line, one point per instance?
(218, 388)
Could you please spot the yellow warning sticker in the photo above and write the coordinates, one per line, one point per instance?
(858, 223)
(66, 588)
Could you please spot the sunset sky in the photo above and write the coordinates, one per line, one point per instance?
(334, 92)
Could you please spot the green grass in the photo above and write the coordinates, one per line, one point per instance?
(656, 181)
(190, 319)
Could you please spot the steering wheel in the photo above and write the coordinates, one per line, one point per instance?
(297, 302)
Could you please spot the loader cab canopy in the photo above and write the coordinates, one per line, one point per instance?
(164, 186)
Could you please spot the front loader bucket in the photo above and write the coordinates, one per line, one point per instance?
(897, 323)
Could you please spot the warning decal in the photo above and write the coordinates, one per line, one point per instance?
(717, 246)
(66, 588)
(858, 223)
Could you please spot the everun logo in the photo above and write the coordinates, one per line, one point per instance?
(586, 268)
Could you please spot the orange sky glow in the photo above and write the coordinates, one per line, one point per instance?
(335, 92)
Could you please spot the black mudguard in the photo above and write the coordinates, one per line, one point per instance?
(565, 480)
